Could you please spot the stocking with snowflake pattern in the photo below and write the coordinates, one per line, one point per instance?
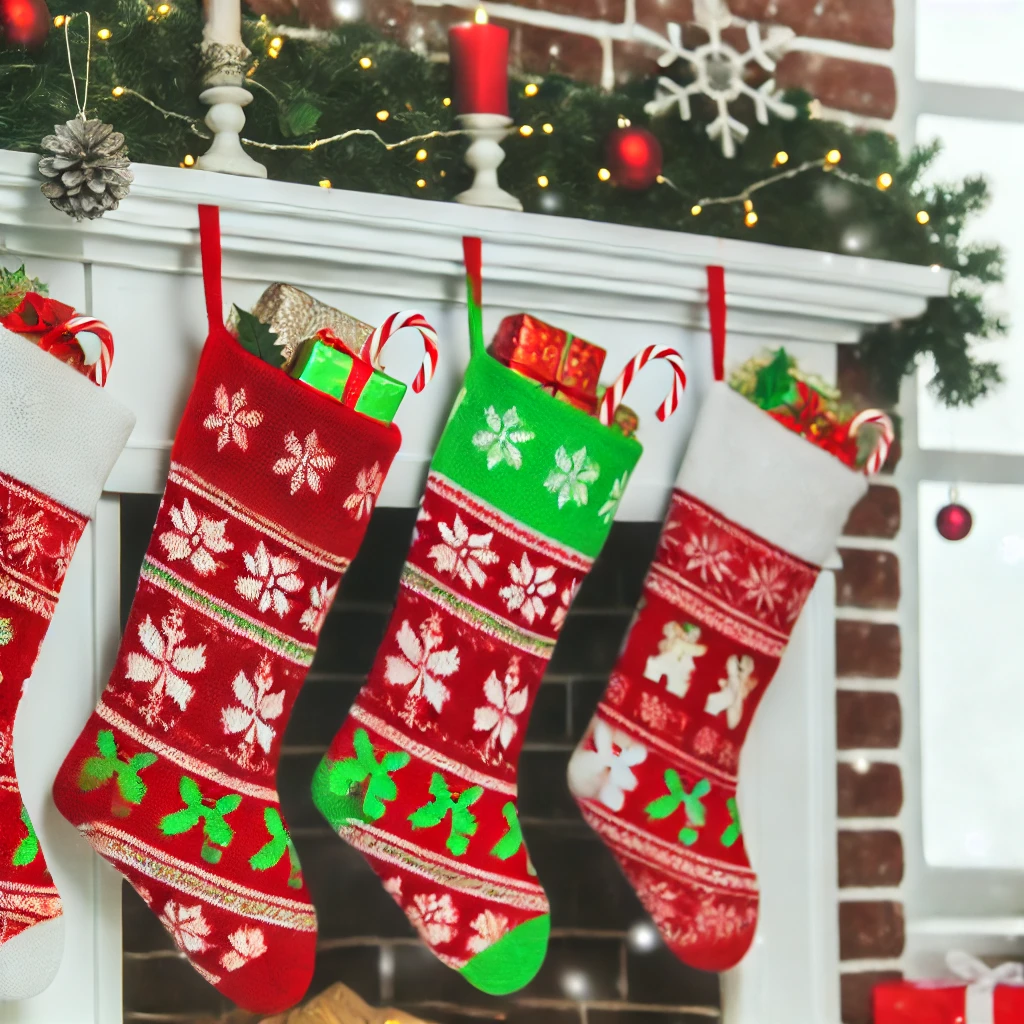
(173, 779)
(59, 437)
(755, 512)
(421, 779)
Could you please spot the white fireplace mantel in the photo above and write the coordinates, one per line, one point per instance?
(621, 287)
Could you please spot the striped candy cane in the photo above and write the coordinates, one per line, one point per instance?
(613, 396)
(407, 318)
(886, 436)
(100, 369)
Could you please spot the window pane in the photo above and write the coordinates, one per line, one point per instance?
(971, 42)
(996, 423)
(972, 691)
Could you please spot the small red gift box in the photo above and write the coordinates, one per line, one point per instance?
(568, 367)
(984, 996)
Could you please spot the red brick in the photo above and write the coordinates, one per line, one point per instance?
(867, 720)
(868, 579)
(866, 89)
(870, 930)
(877, 514)
(855, 993)
(870, 858)
(871, 649)
(875, 793)
(595, 10)
(866, 22)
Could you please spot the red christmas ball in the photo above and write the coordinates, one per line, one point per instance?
(634, 157)
(24, 22)
(954, 521)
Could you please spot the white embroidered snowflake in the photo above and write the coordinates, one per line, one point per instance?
(422, 665)
(320, 599)
(462, 554)
(432, 916)
(62, 559)
(272, 579)
(764, 586)
(502, 435)
(6, 739)
(393, 886)
(489, 927)
(718, 73)
(654, 712)
(196, 538)
(565, 599)
(306, 461)
(571, 475)
(187, 926)
(257, 707)
(24, 536)
(607, 511)
(606, 772)
(368, 484)
(247, 943)
(505, 702)
(705, 553)
(164, 664)
(528, 588)
(232, 419)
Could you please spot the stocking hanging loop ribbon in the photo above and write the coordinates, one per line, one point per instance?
(979, 1001)
(472, 254)
(716, 318)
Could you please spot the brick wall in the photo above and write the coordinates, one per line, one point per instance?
(869, 727)
(852, 77)
(596, 972)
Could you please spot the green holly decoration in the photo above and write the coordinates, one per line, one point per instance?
(666, 806)
(28, 848)
(98, 771)
(365, 772)
(6, 632)
(257, 337)
(508, 845)
(775, 386)
(463, 824)
(280, 843)
(14, 285)
(216, 831)
(735, 830)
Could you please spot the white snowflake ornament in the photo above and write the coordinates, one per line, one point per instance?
(719, 73)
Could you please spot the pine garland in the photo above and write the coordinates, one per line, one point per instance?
(316, 88)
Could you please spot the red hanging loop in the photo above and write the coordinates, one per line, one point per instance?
(716, 314)
(209, 247)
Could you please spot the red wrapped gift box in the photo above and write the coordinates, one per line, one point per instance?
(567, 366)
(984, 996)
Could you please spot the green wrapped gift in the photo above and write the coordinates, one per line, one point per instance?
(329, 365)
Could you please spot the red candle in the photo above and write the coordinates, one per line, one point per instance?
(479, 59)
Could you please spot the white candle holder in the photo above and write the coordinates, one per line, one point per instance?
(226, 97)
(485, 156)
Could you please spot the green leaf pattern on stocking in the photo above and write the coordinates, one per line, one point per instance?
(463, 824)
(677, 796)
(98, 771)
(735, 830)
(364, 770)
(216, 831)
(509, 844)
(280, 843)
(28, 848)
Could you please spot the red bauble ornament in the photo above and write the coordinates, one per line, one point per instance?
(634, 157)
(24, 22)
(954, 521)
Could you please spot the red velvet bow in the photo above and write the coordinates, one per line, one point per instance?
(38, 314)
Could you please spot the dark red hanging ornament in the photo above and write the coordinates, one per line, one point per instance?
(24, 23)
(634, 157)
(954, 520)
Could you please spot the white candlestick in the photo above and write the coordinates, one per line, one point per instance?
(223, 22)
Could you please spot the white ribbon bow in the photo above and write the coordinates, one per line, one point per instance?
(980, 1001)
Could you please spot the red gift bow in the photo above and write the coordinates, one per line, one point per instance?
(359, 374)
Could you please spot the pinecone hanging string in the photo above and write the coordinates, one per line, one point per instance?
(87, 164)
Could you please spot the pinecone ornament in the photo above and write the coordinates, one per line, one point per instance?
(88, 166)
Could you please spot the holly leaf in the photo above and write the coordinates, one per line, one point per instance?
(300, 117)
(96, 771)
(14, 284)
(775, 386)
(258, 338)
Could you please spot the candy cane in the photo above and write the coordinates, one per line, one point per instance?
(886, 436)
(613, 396)
(98, 370)
(407, 318)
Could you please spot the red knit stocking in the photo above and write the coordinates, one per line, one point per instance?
(755, 512)
(173, 778)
